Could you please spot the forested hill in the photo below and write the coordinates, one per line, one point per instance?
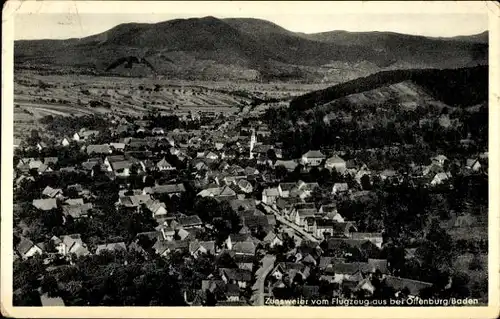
(455, 87)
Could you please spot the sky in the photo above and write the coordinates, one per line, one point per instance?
(72, 19)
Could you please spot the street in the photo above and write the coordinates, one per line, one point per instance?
(261, 274)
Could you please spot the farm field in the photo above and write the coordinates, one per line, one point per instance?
(37, 95)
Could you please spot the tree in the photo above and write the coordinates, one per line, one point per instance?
(365, 182)
(49, 286)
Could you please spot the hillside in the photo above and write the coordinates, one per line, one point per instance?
(454, 87)
(250, 49)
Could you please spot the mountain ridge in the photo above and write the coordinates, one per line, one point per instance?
(245, 47)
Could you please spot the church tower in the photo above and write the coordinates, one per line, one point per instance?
(253, 141)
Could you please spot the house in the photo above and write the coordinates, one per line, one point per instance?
(299, 216)
(157, 209)
(157, 131)
(335, 163)
(270, 195)
(473, 164)
(120, 147)
(245, 186)
(322, 225)
(313, 158)
(273, 239)
(304, 189)
(329, 211)
(342, 230)
(134, 201)
(120, 246)
(387, 174)
(76, 137)
(35, 164)
(187, 222)
(99, 149)
(440, 178)
(251, 171)
(375, 238)
(122, 168)
(289, 270)
(201, 247)
(245, 262)
(167, 232)
(26, 248)
(414, 287)
(169, 189)
(77, 211)
(244, 248)
(164, 247)
(74, 201)
(47, 301)
(439, 159)
(290, 165)
(285, 188)
(210, 156)
(65, 142)
(233, 239)
(50, 160)
(237, 276)
(339, 188)
(200, 165)
(70, 244)
(163, 165)
(346, 271)
(52, 192)
(45, 204)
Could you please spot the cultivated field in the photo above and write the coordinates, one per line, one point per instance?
(37, 95)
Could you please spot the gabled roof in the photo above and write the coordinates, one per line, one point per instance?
(192, 220)
(163, 163)
(117, 146)
(24, 246)
(50, 160)
(74, 201)
(169, 189)
(289, 164)
(240, 238)
(414, 286)
(47, 301)
(237, 274)
(76, 211)
(335, 160)
(340, 186)
(45, 204)
(111, 247)
(51, 192)
(245, 247)
(271, 191)
(286, 186)
(162, 245)
(307, 205)
(306, 212)
(98, 149)
(314, 154)
(227, 191)
(208, 245)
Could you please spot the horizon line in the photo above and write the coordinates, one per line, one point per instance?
(250, 18)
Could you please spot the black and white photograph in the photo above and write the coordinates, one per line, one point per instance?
(238, 154)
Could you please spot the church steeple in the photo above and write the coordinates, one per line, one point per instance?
(253, 141)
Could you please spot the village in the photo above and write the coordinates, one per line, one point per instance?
(285, 230)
